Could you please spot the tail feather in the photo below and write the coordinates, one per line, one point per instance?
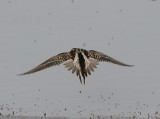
(89, 71)
(80, 79)
(83, 74)
(75, 67)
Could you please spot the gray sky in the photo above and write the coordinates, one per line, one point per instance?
(33, 31)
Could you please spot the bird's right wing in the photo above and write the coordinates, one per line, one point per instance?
(53, 61)
(104, 58)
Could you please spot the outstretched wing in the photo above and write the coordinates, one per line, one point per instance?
(53, 61)
(104, 58)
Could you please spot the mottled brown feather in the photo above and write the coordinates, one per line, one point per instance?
(101, 57)
(82, 62)
(53, 61)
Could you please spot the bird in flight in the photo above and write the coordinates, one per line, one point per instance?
(80, 61)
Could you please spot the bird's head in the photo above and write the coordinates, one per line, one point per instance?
(76, 50)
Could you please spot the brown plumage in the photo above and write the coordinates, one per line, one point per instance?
(81, 61)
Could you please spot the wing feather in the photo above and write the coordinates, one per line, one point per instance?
(53, 61)
(101, 57)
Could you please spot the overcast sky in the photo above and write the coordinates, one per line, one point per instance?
(33, 31)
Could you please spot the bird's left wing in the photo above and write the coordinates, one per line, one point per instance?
(53, 61)
(104, 58)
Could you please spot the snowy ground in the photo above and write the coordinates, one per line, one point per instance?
(33, 31)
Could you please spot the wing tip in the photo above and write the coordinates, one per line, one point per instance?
(130, 65)
(22, 74)
(29, 72)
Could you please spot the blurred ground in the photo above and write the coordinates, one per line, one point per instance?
(98, 117)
